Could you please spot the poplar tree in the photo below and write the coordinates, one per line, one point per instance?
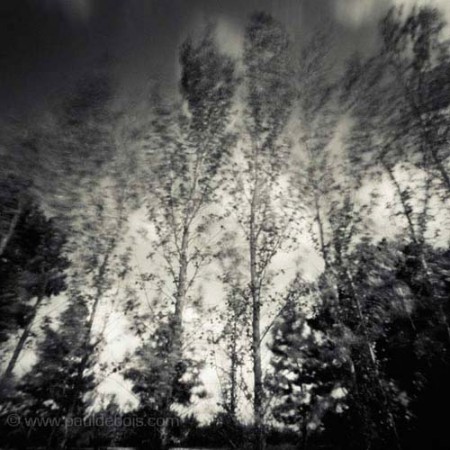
(262, 209)
(189, 142)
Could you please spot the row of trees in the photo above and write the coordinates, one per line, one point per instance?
(360, 368)
(255, 161)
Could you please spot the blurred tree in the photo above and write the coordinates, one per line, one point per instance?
(33, 266)
(191, 141)
(255, 184)
(418, 59)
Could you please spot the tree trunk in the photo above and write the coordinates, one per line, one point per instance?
(445, 176)
(259, 443)
(373, 358)
(77, 394)
(12, 227)
(426, 144)
(23, 339)
(419, 242)
(181, 287)
(319, 221)
(233, 374)
(405, 206)
(177, 337)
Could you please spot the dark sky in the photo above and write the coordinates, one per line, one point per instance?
(44, 44)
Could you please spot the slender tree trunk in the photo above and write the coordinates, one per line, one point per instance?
(86, 339)
(177, 337)
(426, 144)
(444, 175)
(233, 374)
(181, 286)
(164, 430)
(11, 229)
(407, 212)
(337, 315)
(23, 338)
(259, 443)
(373, 358)
(418, 241)
(318, 216)
(319, 222)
